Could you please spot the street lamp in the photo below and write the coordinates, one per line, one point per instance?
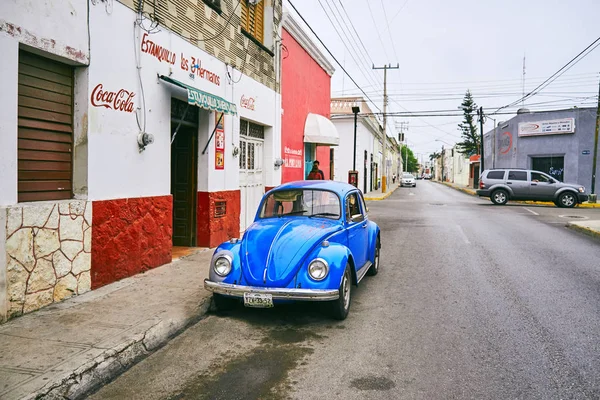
(353, 175)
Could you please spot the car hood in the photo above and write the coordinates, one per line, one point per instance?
(280, 245)
(569, 185)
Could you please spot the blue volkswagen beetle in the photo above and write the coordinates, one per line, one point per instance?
(310, 241)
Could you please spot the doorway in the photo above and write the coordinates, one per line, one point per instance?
(331, 164)
(184, 171)
(553, 166)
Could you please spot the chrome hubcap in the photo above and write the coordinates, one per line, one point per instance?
(568, 200)
(500, 197)
(346, 292)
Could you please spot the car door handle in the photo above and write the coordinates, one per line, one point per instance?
(534, 184)
(509, 183)
(364, 225)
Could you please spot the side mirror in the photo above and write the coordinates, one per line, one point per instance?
(358, 218)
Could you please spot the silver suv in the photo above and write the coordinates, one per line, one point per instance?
(501, 185)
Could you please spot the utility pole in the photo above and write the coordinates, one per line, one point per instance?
(384, 174)
(594, 163)
(480, 113)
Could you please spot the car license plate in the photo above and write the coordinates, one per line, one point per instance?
(258, 300)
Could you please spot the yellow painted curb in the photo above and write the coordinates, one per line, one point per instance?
(385, 196)
(582, 229)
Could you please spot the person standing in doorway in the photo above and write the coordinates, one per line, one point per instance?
(315, 172)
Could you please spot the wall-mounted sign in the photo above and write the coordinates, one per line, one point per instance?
(192, 65)
(505, 142)
(219, 141)
(552, 127)
(121, 100)
(247, 102)
(292, 158)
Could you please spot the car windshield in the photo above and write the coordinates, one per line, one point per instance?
(299, 202)
(407, 176)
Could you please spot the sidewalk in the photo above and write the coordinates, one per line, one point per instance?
(67, 349)
(589, 227)
(379, 195)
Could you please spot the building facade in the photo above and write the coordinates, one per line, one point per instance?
(368, 159)
(306, 91)
(155, 124)
(560, 143)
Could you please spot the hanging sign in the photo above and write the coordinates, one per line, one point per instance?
(220, 141)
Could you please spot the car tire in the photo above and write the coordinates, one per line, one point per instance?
(341, 307)
(374, 269)
(567, 200)
(499, 197)
(223, 303)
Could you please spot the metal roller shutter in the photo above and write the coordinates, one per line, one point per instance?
(45, 129)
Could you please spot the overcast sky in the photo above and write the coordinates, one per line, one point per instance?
(446, 47)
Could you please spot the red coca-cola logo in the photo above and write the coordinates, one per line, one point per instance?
(118, 101)
(247, 102)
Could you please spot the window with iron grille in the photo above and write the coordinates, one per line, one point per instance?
(253, 16)
(251, 143)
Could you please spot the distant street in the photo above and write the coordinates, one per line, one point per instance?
(472, 301)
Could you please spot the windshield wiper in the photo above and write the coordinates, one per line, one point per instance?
(292, 213)
(324, 214)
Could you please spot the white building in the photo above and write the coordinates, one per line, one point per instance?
(112, 144)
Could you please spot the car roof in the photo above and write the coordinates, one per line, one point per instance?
(341, 188)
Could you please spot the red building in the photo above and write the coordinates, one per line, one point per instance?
(307, 134)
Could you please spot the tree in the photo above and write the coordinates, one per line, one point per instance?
(434, 156)
(412, 165)
(470, 143)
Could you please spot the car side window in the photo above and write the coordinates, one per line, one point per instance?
(538, 177)
(352, 206)
(363, 206)
(517, 175)
(495, 175)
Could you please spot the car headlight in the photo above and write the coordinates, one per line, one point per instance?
(222, 266)
(318, 269)
(581, 189)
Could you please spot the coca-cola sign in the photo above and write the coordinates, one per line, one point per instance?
(247, 102)
(121, 100)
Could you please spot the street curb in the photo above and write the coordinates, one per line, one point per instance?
(584, 230)
(113, 362)
(385, 196)
(541, 203)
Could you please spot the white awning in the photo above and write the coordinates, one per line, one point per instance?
(320, 130)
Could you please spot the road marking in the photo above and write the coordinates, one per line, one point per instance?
(533, 212)
(464, 236)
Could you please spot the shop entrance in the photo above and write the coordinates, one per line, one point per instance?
(184, 167)
(252, 184)
(553, 166)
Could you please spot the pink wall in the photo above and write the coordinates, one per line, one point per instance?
(305, 88)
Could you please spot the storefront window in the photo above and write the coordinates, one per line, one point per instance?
(553, 166)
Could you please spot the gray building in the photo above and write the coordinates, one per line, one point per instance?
(560, 143)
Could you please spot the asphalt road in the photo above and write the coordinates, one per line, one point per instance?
(472, 301)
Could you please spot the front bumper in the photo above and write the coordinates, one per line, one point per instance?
(277, 293)
(582, 197)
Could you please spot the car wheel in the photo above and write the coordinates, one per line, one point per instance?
(375, 266)
(567, 199)
(341, 306)
(499, 197)
(223, 303)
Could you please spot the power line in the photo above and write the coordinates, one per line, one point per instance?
(376, 30)
(389, 33)
(359, 65)
(356, 36)
(331, 54)
(563, 69)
